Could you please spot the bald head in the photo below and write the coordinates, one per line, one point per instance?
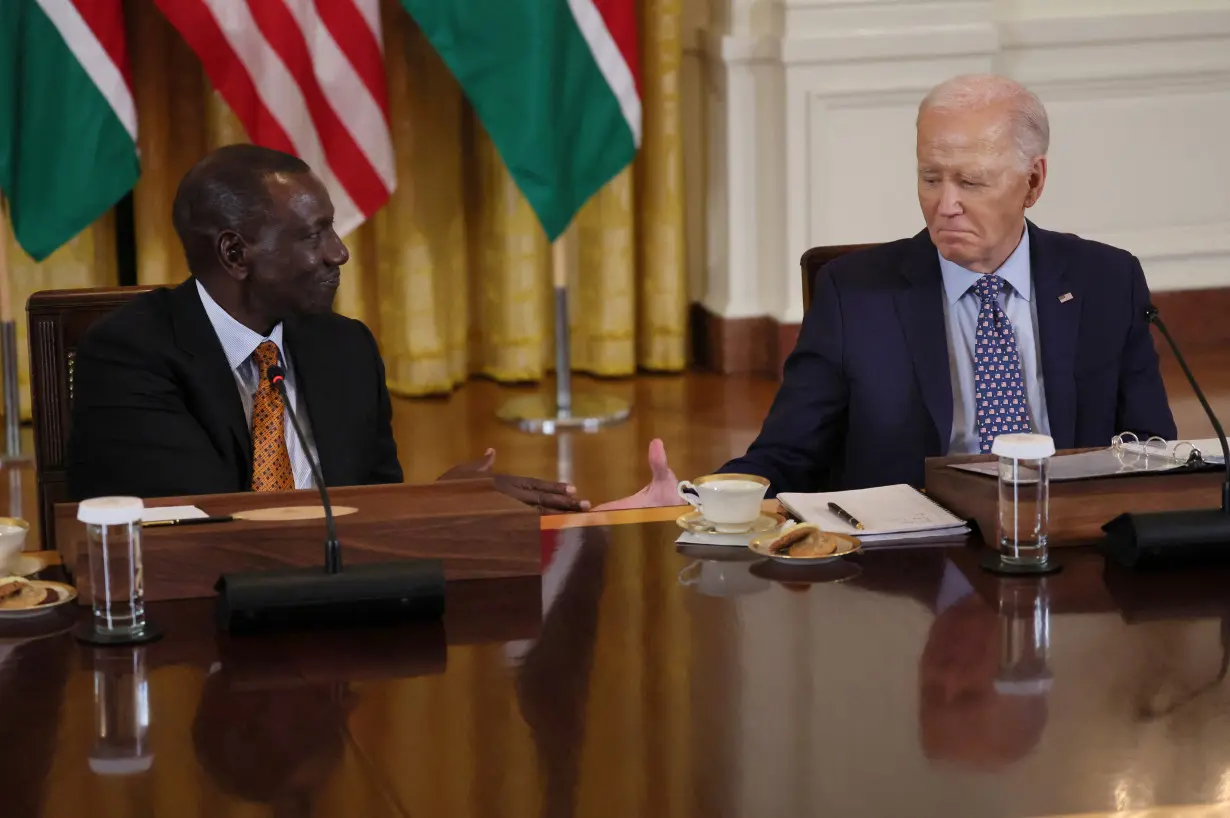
(1023, 114)
(227, 191)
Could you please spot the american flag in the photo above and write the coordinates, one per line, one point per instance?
(305, 77)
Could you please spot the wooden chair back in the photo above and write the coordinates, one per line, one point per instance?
(815, 258)
(57, 321)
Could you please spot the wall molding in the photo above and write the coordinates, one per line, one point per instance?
(760, 346)
(815, 104)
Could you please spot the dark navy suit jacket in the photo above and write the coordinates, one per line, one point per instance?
(867, 394)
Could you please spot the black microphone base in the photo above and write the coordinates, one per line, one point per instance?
(361, 594)
(1167, 539)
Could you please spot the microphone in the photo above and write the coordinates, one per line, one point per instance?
(1152, 315)
(333, 549)
(1171, 537)
(367, 593)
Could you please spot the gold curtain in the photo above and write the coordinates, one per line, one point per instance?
(453, 274)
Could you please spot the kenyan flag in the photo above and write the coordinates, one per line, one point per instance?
(68, 125)
(555, 85)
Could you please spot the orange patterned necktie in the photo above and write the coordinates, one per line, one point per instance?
(270, 458)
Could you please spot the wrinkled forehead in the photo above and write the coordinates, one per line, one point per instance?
(982, 138)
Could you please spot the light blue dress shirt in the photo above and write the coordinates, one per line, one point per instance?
(961, 307)
(238, 343)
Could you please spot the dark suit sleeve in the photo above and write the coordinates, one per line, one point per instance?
(1142, 404)
(386, 467)
(807, 420)
(132, 432)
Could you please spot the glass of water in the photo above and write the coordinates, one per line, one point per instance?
(1024, 499)
(117, 588)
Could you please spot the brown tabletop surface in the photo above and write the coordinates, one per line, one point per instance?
(640, 678)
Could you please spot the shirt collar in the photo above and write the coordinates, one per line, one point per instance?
(1015, 271)
(238, 341)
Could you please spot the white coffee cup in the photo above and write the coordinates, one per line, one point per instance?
(728, 502)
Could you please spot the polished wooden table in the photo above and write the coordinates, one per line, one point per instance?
(639, 678)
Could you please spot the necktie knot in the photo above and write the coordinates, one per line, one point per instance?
(266, 355)
(989, 287)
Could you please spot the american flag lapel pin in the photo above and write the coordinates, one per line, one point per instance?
(1065, 298)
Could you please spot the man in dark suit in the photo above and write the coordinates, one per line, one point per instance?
(979, 325)
(171, 392)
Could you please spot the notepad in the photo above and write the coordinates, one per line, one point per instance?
(888, 513)
(153, 515)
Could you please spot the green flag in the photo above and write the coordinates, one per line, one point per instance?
(67, 120)
(555, 85)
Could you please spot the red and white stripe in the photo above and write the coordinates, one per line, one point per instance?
(305, 77)
(609, 28)
(93, 30)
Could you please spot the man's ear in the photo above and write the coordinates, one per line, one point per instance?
(233, 254)
(1037, 181)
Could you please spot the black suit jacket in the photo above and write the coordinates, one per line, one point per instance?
(157, 413)
(866, 394)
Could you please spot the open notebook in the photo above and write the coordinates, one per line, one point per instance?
(888, 513)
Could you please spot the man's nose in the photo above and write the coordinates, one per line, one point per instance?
(337, 254)
(950, 200)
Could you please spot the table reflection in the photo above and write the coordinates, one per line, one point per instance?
(121, 712)
(273, 746)
(983, 676)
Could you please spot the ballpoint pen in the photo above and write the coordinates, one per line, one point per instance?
(845, 515)
(188, 521)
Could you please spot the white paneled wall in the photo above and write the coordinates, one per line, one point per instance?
(801, 128)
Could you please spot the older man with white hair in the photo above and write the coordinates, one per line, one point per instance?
(979, 325)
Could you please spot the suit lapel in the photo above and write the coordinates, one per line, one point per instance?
(195, 336)
(317, 370)
(1058, 327)
(920, 309)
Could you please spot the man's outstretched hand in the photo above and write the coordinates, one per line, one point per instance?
(663, 488)
(546, 496)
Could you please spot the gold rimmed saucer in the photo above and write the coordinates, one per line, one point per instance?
(697, 524)
(64, 594)
(843, 543)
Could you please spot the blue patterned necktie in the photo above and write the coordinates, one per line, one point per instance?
(999, 388)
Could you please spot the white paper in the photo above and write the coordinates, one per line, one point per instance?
(153, 515)
(886, 512)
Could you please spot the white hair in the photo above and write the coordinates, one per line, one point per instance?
(973, 92)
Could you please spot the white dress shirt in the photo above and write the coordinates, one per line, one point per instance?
(238, 343)
(961, 307)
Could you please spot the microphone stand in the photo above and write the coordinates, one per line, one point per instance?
(1173, 537)
(333, 548)
(1156, 319)
(369, 592)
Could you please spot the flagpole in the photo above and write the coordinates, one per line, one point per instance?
(587, 412)
(8, 349)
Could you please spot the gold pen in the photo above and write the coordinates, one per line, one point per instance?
(188, 521)
(845, 515)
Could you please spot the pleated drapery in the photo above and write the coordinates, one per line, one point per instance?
(453, 275)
